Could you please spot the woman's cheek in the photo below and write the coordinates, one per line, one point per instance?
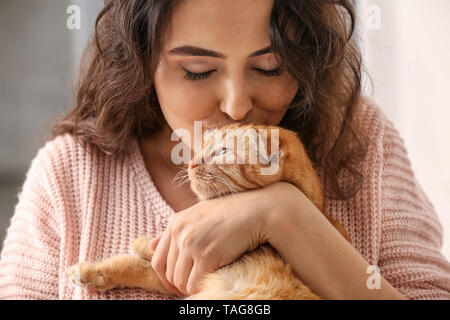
(278, 94)
(183, 100)
(193, 103)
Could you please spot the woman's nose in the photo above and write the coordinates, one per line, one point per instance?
(237, 102)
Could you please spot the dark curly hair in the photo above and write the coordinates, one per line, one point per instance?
(116, 99)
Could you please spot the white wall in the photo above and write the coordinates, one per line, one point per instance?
(409, 61)
(35, 79)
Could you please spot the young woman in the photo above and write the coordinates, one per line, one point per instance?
(154, 66)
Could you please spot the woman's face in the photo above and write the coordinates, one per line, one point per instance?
(214, 67)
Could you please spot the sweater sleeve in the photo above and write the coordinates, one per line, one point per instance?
(30, 253)
(412, 235)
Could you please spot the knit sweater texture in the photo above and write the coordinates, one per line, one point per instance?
(79, 204)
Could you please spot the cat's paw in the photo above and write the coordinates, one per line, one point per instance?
(141, 247)
(88, 275)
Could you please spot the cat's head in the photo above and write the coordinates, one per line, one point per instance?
(239, 157)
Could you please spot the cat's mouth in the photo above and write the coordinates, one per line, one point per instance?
(206, 186)
(204, 189)
(200, 182)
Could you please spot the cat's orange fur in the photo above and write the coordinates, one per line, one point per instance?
(259, 274)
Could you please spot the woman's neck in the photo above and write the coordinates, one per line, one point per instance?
(158, 149)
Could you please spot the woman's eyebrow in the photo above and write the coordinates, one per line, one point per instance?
(200, 52)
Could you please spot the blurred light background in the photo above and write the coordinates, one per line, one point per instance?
(406, 47)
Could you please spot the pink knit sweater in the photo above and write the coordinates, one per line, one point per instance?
(77, 204)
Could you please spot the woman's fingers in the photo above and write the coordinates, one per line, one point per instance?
(194, 278)
(182, 271)
(159, 263)
(172, 257)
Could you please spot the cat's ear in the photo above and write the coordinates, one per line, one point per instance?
(274, 158)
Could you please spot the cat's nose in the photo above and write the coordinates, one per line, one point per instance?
(192, 165)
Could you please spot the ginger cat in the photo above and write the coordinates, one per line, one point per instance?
(259, 274)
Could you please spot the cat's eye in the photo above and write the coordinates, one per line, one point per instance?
(221, 152)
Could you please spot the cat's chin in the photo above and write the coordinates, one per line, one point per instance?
(204, 192)
(214, 195)
(200, 190)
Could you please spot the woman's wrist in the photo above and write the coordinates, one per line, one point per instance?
(277, 209)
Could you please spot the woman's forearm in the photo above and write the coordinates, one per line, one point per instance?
(320, 255)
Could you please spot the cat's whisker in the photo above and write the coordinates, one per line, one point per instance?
(226, 183)
(181, 180)
(181, 174)
(208, 190)
(216, 190)
(181, 184)
(181, 177)
(232, 190)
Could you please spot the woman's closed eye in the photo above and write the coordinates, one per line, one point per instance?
(191, 76)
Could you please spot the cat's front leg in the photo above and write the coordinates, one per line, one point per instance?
(141, 247)
(125, 271)
(89, 276)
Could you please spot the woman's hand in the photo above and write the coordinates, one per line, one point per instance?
(211, 234)
(216, 232)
